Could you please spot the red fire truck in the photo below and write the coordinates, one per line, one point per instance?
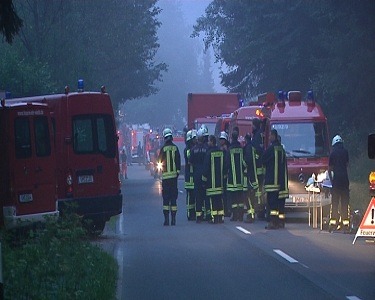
(28, 164)
(86, 153)
(205, 108)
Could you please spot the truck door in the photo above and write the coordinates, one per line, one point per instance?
(33, 163)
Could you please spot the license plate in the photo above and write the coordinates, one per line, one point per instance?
(26, 198)
(85, 179)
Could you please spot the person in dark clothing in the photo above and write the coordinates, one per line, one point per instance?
(284, 188)
(196, 159)
(252, 178)
(257, 142)
(338, 174)
(213, 180)
(189, 180)
(169, 157)
(223, 145)
(236, 166)
(272, 163)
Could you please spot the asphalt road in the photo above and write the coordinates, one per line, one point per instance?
(233, 260)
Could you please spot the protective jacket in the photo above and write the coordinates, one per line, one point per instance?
(251, 168)
(213, 171)
(271, 159)
(170, 158)
(235, 167)
(189, 180)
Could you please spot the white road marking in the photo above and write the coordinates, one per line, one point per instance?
(353, 298)
(285, 256)
(243, 230)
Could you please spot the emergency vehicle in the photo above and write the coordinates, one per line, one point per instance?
(28, 164)
(205, 108)
(222, 124)
(87, 155)
(303, 129)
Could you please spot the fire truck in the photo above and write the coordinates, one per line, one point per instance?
(28, 164)
(87, 157)
(205, 108)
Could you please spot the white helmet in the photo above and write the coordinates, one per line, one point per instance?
(167, 132)
(223, 135)
(189, 135)
(336, 139)
(199, 132)
(204, 129)
(193, 133)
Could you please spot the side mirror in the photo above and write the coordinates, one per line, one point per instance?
(371, 146)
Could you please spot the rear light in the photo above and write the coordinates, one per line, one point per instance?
(69, 183)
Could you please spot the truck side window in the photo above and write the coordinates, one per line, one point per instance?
(42, 140)
(106, 136)
(22, 137)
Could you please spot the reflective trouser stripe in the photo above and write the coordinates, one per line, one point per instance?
(281, 216)
(274, 212)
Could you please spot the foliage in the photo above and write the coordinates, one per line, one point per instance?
(56, 262)
(326, 45)
(111, 43)
(10, 23)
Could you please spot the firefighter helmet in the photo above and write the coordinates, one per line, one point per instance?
(204, 129)
(167, 132)
(336, 139)
(189, 135)
(199, 133)
(193, 133)
(224, 135)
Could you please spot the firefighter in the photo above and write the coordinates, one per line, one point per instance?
(124, 165)
(257, 142)
(189, 181)
(213, 180)
(223, 145)
(235, 171)
(196, 159)
(169, 157)
(338, 174)
(284, 189)
(251, 178)
(272, 162)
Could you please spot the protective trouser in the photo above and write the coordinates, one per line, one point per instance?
(273, 206)
(237, 205)
(337, 195)
(200, 196)
(170, 194)
(250, 204)
(217, 208)
(190, 204)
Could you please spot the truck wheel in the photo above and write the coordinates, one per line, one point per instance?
(94, 227)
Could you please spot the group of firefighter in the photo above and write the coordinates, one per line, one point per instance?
(224, 178)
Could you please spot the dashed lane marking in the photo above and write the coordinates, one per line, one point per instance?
(243, 230)
(285, 256)
(352, 298)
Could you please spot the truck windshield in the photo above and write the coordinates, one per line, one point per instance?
(304, 139)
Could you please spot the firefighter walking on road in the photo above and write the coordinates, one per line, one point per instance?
(338, 174)
(213, 180)
(170, 159)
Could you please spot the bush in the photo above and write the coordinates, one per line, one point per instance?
(57, 262)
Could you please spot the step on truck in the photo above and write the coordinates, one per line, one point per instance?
(87, 158)
(27, 165)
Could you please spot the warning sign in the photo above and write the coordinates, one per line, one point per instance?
(367, 227)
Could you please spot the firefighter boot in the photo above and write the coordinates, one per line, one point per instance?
(234, 215)
(173, 215)
(240, 214)
(166, 218)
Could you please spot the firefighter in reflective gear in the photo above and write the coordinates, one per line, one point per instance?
(235, 171)
(189, 180)
(338, 174)
(251, 178)
(272, 162)
(223, 145)
(213, 179)
(257, 142)
(284, 189)
(169, 157)
(196, 159)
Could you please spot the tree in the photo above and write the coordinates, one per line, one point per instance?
(275, 45)
(10, 23)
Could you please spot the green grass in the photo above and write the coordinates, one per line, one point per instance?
(56, 262)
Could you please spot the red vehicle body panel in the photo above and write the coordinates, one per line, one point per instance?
(28, 165)
(86, 148)
(201, 105)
